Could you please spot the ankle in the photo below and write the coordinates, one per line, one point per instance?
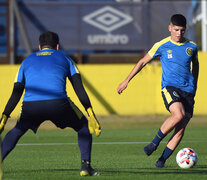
(162, 159)
(86, 162)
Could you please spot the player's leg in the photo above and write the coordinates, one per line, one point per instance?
(29, 119)
(173, 142)
(188, 104)
(80, 124)
(68, 115)
(178, 133)
(173, 104)
(177, 114)
(85, 142)
(85, 145)
(10, 140)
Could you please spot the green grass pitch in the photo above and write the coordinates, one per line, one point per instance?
(117, 154)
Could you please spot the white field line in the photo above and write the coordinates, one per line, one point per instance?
(98, 143)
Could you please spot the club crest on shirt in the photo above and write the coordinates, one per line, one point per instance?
(189, 51)
(169, 54)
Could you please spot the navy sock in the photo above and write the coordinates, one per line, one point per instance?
(85, 143)
(10, 141)
(158, 137)
(166, 153)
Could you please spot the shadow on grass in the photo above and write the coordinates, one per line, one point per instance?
(124, 171)
(154, 171)
(40, 170)
(201, 166)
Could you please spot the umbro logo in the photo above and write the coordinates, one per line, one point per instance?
(107, 19)
(176, 94)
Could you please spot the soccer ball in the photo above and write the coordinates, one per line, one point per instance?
(186, 158)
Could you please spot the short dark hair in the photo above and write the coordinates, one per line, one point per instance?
(49, 38)
(178, 20)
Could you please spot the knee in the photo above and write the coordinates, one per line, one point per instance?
(178, 116)
(84, 130)
(19, 130)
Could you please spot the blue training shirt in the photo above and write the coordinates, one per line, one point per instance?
(44, 75)
(176, 61)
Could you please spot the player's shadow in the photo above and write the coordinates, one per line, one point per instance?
(201, 166)
(109, 172)
(155, 171)
(41, 170)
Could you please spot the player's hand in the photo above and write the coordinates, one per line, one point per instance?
(122, 86)
(93, 124)
(3, 122)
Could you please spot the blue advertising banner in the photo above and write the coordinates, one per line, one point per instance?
(3, 25)
(98, 26)
(83, 26)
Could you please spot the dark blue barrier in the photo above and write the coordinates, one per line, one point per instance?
(3, 25)
(97, 26)
(88, 26)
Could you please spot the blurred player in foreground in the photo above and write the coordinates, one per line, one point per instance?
(179, 84)
(43, 76)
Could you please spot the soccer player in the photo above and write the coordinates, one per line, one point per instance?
(43, 76)
(179, 84)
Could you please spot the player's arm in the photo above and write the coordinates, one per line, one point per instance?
(195, 70)
(17, 92)
(93, 124)
(80, 90)
(138, 67)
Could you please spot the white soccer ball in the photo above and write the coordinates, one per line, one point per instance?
(186, 158)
